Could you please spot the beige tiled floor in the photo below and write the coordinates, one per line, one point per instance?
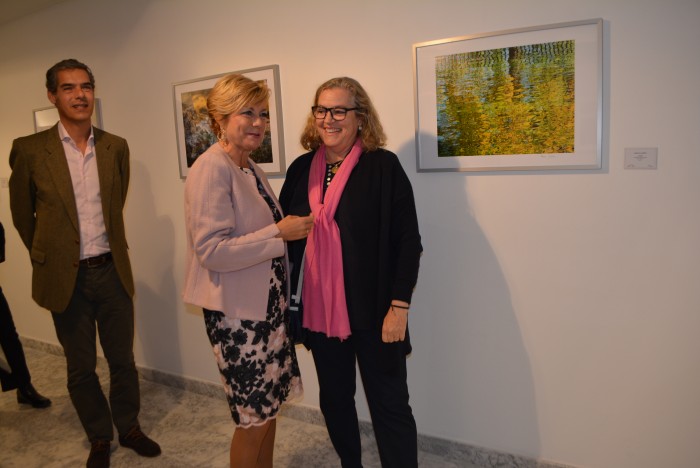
(193, 430)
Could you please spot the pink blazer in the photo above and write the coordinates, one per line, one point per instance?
(230, 238)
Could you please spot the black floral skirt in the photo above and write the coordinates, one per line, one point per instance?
(257, 362)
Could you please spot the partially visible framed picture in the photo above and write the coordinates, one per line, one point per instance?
(522, 99)
(194, 135)
(46, 117)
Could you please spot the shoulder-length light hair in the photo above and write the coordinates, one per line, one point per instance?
(371, 134)
(231, 94)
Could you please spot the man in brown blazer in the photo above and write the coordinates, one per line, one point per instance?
(67, 192)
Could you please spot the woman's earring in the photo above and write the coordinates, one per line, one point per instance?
(221, 136)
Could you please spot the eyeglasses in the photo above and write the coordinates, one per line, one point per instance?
(337, 113)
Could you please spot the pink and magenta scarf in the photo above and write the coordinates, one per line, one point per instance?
(323, 293)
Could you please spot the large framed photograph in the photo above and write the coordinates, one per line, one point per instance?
(47, 117)
(522, 99)
(194, 135)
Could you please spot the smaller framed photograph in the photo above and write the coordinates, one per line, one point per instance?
(194, 135)
(46, 117)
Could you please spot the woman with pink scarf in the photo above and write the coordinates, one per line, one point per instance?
(360, 265)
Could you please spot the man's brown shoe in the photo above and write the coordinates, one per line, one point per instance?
(138, 441)
(100, 451)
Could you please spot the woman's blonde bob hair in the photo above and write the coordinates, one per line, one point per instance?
(371, 133)
(231, 94)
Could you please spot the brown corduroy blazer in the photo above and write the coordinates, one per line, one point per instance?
(45, 214)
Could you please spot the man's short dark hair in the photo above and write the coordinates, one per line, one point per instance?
(67, 64)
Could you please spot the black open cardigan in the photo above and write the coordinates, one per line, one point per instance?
(378, 227)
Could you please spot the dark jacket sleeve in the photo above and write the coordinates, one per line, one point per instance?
(2, 243)
(294, 200)
(405, 237)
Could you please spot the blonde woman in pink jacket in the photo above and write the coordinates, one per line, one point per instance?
(237, 268)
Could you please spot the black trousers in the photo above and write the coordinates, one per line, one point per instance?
(12, 347)
(100, 304)
(383, 371)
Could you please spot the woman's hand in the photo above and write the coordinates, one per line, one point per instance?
(295, 227)
(395, 323)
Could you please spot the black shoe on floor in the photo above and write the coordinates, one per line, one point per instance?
(27, 395)
(100, 451)
(136, 440)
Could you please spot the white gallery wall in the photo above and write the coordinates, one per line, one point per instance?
(556, 314)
